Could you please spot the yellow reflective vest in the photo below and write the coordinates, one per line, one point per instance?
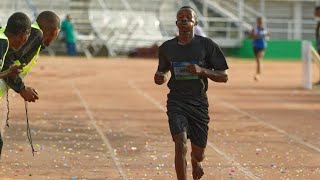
(26, 69)
(3, 85)
(4, 37)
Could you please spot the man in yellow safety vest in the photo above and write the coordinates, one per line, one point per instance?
(44, 30)
(13, 36)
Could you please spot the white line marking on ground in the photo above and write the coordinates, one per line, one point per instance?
(263, 122)
(211, 145)
(283, 101)
(103, 137)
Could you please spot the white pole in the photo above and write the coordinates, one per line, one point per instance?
(240, 10)
(205, 14)
(262, 7)
(205, 8)
(297, 19)
(307, 65)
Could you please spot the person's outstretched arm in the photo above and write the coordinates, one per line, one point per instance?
(252, 34)
(161, 75)
(12, 71)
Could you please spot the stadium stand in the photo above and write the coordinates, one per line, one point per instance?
(121, 25)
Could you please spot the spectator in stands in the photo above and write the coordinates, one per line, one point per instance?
(317, 16)
(44, 30)
(69, 36)
(259, 34)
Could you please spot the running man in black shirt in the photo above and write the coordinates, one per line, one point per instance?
(191, 59)
(44, 30)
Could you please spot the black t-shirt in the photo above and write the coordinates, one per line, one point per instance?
(3, 48)
(25, 54)
(174, 57)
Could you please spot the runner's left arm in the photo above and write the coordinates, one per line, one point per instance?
(214, 75)
(217, 64)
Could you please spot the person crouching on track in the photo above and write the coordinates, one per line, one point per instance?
(44, 30)
(13, 36)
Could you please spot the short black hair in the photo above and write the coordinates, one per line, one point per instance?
(17, 23)
(317, 8)
(189, 7)
(48, 20)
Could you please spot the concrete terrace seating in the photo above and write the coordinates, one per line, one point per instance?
(282, 17)
(8, 7)
(124, 26)
(60, 7)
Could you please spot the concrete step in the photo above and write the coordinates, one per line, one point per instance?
(79, 4)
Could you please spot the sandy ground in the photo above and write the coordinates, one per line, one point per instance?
(105, 119)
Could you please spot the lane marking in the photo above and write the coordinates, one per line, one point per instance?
(285, 102)
(211, 145)
(263, 122)
(100, 132)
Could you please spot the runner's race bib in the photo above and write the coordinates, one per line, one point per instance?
(181, 72)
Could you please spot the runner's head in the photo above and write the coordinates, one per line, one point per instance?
(186, 19)
(259, 22)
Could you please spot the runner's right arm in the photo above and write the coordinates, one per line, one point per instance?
(161, 75)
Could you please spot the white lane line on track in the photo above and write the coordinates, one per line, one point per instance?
(211, 145)
(100, 132)
(285, 102)
(263, 122)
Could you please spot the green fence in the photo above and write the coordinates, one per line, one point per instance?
(277, 49)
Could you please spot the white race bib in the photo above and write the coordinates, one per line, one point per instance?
(181, 72)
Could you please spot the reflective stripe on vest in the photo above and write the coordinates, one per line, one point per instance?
(2, 29)
(3, 87)
(26, 69)
(4, 37)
